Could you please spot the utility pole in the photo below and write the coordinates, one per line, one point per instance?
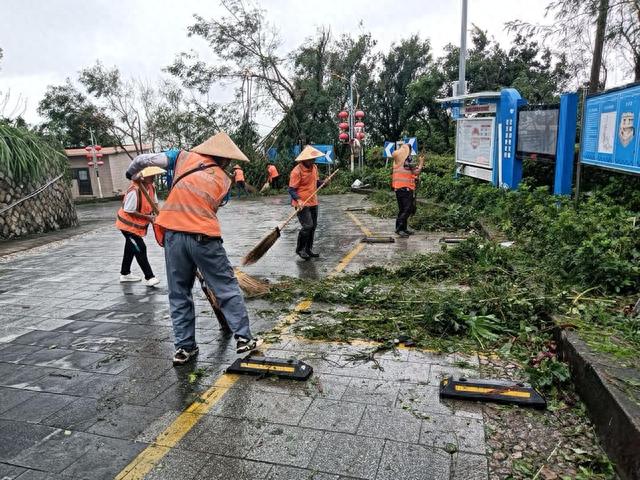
(351, 119)
(95, 162)
(463, 51)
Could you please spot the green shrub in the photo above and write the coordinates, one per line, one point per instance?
(27, 157)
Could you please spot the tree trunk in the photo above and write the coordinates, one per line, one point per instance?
(596, 64)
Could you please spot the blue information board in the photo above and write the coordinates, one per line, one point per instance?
(329, 156)
(610, 129)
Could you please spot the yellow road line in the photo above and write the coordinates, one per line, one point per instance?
(140, 466)
(357, 221)
(146, 460)
(347, 259)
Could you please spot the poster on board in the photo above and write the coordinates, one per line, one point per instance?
(475, 141)
(610, 132)
(538, 131)
(606, 132)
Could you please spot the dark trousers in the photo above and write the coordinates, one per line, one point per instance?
(241, 188)
(183, 253)
(308, 218)
(275, 183)
(134, 247)
(405, 208)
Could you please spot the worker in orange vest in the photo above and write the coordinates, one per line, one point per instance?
(403, 182)
(273, 177)
(303, 182)
(193, 239)
(133, 220)
(238, 178)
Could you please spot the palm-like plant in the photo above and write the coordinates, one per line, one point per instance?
(26, 156)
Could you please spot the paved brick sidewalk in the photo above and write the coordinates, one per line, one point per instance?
(86, 382)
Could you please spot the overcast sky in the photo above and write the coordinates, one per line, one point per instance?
(45, 41)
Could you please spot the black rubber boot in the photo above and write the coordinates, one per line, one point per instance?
(301, 249)
(309, 247)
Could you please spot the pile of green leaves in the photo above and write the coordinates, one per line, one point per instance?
(476, 295)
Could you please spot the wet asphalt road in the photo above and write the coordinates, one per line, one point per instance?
(87, 387)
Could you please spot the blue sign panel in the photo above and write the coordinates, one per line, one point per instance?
(413, 144)
(610, 130)
(389, 148)
(272, 153)
(295, 150)
(329, 155)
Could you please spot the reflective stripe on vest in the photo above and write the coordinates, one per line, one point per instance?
(403, 178)
(193, 202)
(130, 223)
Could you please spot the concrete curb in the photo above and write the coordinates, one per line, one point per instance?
(614, 413)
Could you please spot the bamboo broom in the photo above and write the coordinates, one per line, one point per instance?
(251, 286)
(268, 241)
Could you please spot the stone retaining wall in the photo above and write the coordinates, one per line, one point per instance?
(51, 209)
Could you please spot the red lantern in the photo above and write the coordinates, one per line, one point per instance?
(344, 126)
(98, 148)
(90, 164)
(88, 149)
(360, 135)
(360, 114)
(344, 137)
(359, 125)
(100, 163)
(343, 115)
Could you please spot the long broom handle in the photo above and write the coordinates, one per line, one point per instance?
(295, 212)
(154, 205)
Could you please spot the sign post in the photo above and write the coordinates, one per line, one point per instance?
(565, 147)
(93, 152)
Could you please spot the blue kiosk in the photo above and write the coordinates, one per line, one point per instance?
(490, 143)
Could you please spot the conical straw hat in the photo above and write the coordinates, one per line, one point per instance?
(151, 171)
(309, 153)
(401, 154)
(221, 145)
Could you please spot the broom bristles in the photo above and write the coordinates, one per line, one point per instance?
(261, 248)
(251, 286)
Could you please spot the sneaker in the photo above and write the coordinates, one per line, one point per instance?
(313, 254)
(402, 234)
(151, 282)
(182, 356)
(303, 255)
(245, 345)
(129, 278)
(409, 232)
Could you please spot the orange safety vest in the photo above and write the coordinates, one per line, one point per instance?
(403, 178)
(305, 181)
(238, 175)
(130, 223)
(193, 201)
(272, 172)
